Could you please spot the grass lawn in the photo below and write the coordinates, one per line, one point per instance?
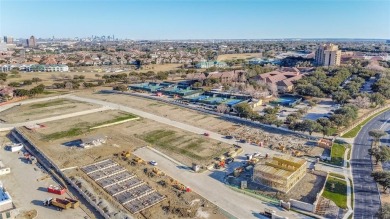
(125, 116)
(68, 133)
(353, 132)
(337, 154)
(337, 175)
(339, 194)
(84, 128)
(51, 103)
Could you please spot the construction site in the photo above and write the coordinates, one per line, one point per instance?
(281, 177)
(295, 144)
(63, 139)
(127, 185)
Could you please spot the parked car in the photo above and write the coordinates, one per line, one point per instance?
(153, 163)
(206, 134)
(229, 137)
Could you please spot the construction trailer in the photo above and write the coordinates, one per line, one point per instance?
(281, 173)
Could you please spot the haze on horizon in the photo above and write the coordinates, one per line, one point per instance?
(190, 19)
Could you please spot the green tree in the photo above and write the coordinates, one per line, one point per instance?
(311, 126)
(384, 211)
(27, 82)
(36, 80)
(382, 178)
(380, 154)
(340, 97)
(3, 76)
(14, 84)
(377, 99)
(377, 134)
(243, 110)
(121, 87)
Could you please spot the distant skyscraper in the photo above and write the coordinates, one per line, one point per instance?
(31, 42)
(328, 55)
(8, 39)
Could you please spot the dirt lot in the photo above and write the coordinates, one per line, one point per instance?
(210, 122)
(58, 138)
(45, 109)
(238, 56)
(178, 204)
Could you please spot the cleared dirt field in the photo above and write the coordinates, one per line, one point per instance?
(58, 139)
(206, 121)
(238, 56)
(45, 109)
(178, 204)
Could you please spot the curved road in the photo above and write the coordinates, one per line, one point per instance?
(366, 194)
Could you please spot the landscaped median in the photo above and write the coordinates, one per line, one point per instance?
(353, 132)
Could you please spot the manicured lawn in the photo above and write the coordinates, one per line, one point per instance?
(339, 194)
(353, 132)
(337, 154)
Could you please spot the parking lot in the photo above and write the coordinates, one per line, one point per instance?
(27, 185)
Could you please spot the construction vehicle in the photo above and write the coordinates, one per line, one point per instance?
(206, 134)
(125, 154)
(157, 171)
(268, 212)
(74, 202)
(61, 204)
(139, 160)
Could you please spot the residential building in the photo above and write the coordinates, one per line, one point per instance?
(328, 55)
(35, 67)
(31, 42)
(211, 64)
(283, 80)
(7, 207)
(281, 173)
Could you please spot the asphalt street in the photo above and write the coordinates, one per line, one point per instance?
(366, 194)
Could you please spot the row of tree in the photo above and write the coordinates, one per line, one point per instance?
(31, 92)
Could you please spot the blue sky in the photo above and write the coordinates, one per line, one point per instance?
(190, 19)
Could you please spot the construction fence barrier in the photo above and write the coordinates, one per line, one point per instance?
(57, 170)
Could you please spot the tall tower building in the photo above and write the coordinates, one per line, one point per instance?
(31, 42)
(328, 55)
(8, 39)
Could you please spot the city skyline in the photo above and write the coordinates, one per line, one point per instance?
(159, 20)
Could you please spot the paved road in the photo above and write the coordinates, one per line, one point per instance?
(367, 200)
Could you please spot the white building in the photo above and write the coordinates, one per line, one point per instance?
(34, 67)
(14, 147)
(7, 207)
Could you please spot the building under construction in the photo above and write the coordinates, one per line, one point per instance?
(281, 173)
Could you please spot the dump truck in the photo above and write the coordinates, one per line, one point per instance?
(61, 204)
(74, 202)
(268, 212)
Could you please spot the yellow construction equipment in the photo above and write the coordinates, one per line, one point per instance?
(139, 160)
(126, 154)
(158, 172)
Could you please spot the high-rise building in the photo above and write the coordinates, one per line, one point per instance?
(8, 39)
(328, 55)
(31, 42)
